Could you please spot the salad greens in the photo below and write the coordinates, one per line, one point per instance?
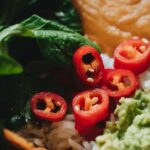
(56, 42)
(132, 128)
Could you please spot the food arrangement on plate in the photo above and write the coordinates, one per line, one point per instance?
(75, 75)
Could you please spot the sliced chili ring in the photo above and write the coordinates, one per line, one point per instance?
(132, 54)
(48, 106)
(105, 74)
(88, 132)
(88, 64)
(120, 82)
(91, 106)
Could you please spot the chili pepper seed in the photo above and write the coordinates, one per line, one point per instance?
(90, 79)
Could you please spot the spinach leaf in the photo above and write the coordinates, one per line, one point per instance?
(1, 27)
(8, 64)
(57, 43)
(38, 23)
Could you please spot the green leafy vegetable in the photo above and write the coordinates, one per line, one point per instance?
(56, 42)
(1, 27)
(7, 63)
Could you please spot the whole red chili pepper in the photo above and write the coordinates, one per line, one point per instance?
(88, 64)
(89, 132)
(91, 106)
(48, 106)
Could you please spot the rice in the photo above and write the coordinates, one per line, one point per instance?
(75, 145)
(95, 147)
(145, 79)
(108, 62)
(57, 135)
(38, 142)
(87, 145)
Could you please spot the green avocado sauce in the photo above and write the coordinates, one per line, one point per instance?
(131, 128)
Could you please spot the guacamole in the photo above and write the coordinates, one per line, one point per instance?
(131, 128)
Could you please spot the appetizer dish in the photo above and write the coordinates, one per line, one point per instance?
(75, 75)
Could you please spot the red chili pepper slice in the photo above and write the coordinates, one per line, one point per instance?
(91, 106)
(48, 106)
(108, 70)
(89, 132)
(132, 54)
(88, 65)
(120, 82)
